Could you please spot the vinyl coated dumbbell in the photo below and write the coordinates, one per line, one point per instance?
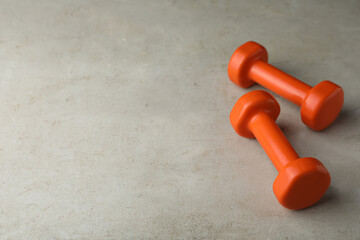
(301, 181)
(320, 105)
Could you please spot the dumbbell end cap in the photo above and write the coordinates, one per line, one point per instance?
(241, 61)
(322, 105)
(248, 106)
(301, 183)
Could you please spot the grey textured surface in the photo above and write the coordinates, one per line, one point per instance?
(114, 119)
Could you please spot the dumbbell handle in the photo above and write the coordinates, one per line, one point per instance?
(271, 138)
(279, 82)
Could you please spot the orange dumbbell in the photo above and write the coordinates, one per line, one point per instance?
(320, 105)
(301, 181)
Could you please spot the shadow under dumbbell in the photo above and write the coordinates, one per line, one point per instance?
(330, 200)
(331, 197)
(345, 119)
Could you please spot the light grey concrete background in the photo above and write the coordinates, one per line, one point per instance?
(114, 119)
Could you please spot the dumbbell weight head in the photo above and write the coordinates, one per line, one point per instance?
(248, 106)
(241, 61)
(322, 105)
(301, 183)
